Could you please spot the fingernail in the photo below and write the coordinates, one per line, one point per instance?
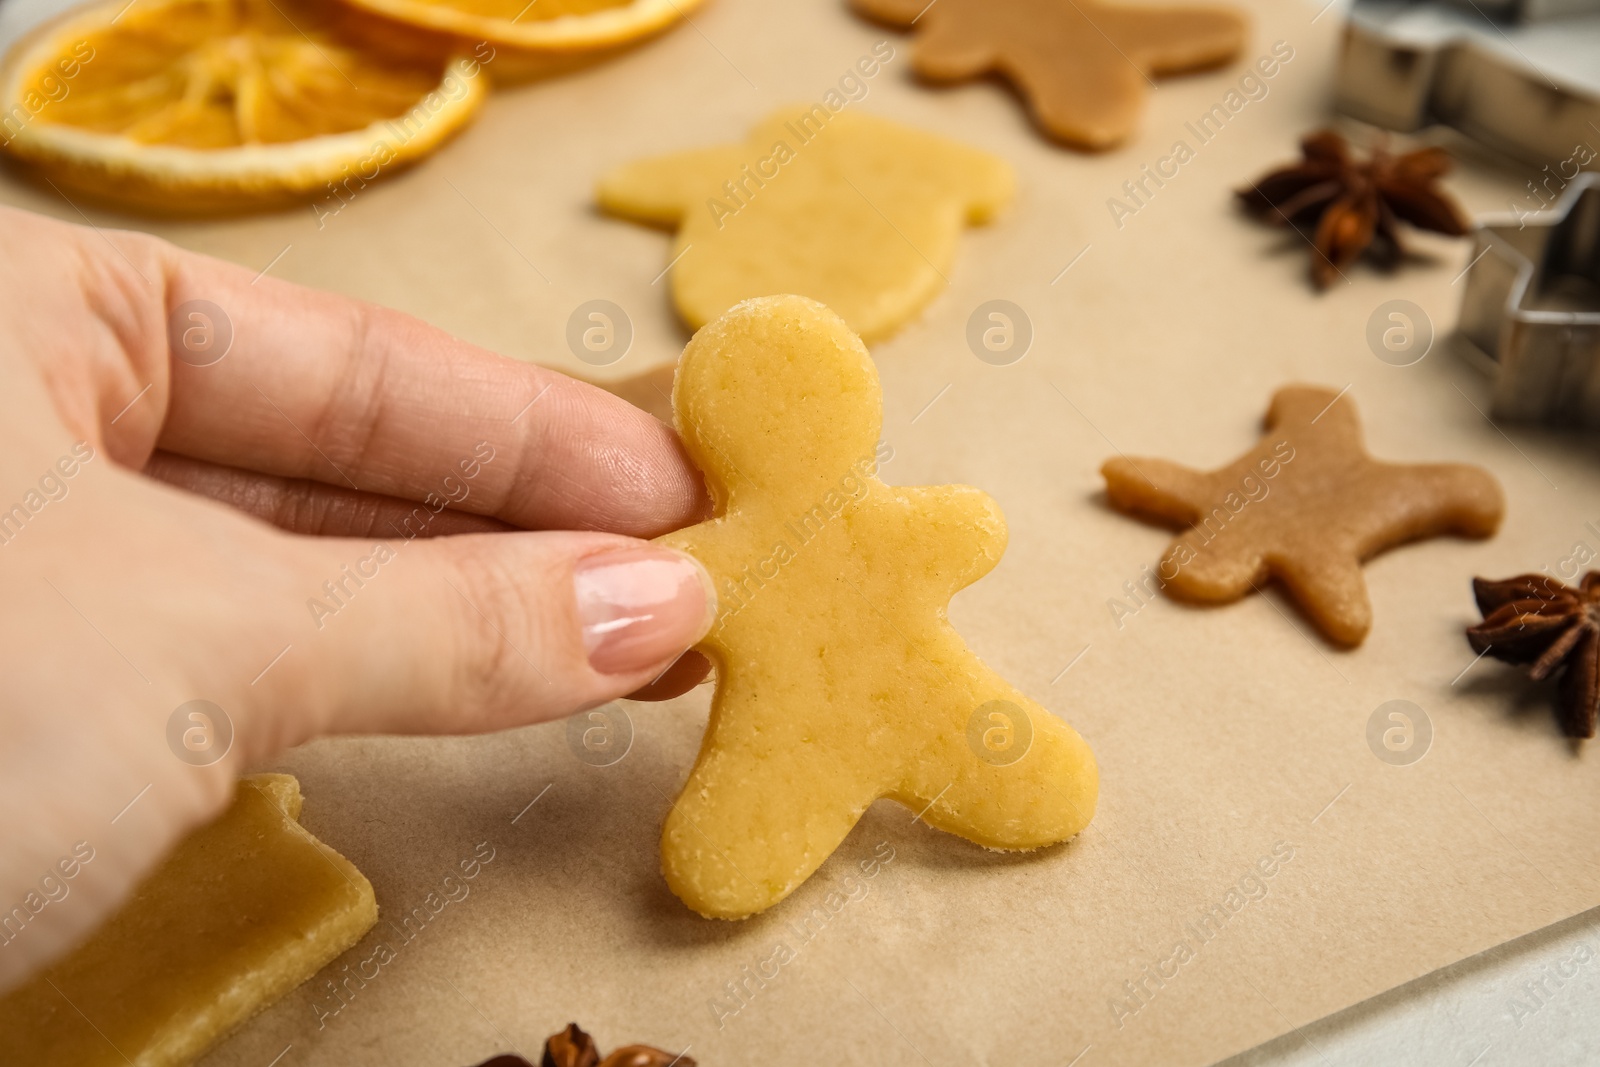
(641, 606)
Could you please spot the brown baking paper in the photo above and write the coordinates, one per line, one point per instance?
(1232, 741)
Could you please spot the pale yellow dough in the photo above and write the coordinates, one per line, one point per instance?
(839, 678)
(242, 911)
(857, 212)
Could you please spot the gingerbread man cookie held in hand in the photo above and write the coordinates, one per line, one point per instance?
(1083, 66)
(856, 212)
(839, 678)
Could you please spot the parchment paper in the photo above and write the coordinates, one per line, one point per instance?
(1222, 734)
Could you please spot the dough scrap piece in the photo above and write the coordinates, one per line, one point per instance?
(1307, 506)
(839, 678)
(1083, 66)
(242, 912)
(857, 212)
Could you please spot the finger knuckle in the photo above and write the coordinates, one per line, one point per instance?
(504, 630)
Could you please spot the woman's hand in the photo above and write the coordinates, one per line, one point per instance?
(134, 371)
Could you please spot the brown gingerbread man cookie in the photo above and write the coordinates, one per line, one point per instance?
(1083, 65)
(1306, 506)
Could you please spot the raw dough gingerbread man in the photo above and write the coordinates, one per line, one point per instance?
(1307, 506)
(839, 678)
(1083, 65)
(854, 211)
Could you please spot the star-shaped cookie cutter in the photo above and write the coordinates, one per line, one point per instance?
(1532, 308)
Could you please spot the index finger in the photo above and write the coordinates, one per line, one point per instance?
(320, 386)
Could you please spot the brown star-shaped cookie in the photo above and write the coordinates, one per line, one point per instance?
(1082, 65)
(1305, 506)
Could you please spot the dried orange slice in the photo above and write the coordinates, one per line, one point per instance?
(212, 105)
(538, 26)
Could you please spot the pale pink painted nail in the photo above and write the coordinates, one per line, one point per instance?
(641, 607)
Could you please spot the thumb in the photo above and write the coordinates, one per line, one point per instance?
(484, 631)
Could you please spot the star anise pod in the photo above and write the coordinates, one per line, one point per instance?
(1355, 205)
(574, 1048)
(1536, 619)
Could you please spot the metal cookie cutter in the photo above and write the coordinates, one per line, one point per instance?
(1520, 76)
(1532, 308)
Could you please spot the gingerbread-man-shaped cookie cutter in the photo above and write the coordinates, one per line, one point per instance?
(1517, 75)
(1532, 308)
